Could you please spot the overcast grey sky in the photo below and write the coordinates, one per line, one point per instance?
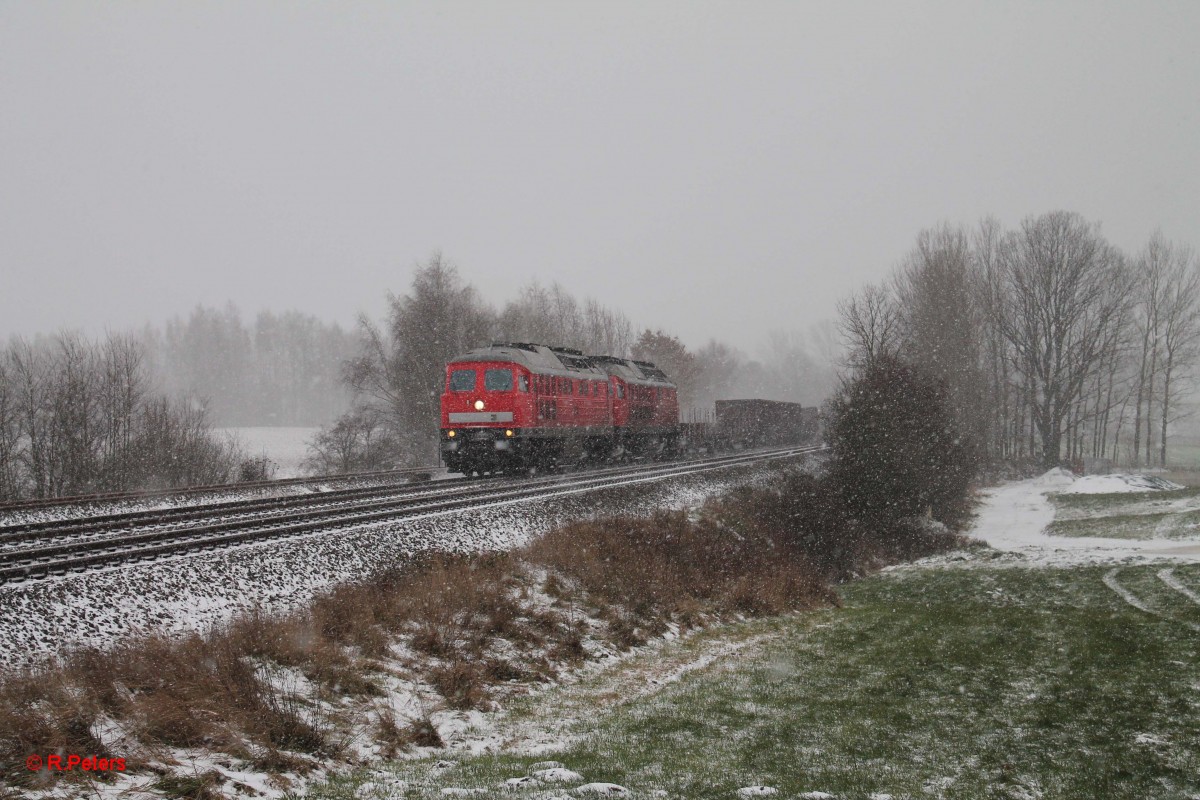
(715, 169)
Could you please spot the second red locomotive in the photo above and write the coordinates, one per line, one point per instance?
(516, 406)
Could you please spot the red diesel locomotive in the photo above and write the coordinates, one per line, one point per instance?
(515, 406)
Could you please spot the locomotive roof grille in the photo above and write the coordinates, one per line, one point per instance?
(651, 371)
(532, 348)
(572, 362)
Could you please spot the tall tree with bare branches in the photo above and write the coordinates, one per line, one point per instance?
(1063, 290)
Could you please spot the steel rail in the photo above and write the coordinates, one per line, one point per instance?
(45, 529)
(268, 510)
(16, 565)
(110, 497)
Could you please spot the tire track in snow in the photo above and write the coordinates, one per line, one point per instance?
(1110, 580)
(1167, 576)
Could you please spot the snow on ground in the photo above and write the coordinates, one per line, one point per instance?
(287, 447)
(1014, 518)
(631, 675)
(195, 591)
(1119, 483)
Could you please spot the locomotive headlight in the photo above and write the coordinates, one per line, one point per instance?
(508, 433)
(451, 434)
(479, 405)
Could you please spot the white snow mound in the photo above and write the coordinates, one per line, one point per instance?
(757, 791)
(601, 788)
(1113, 484)
(1055, 477)
(558, 775)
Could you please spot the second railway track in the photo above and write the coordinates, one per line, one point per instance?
(40, 550)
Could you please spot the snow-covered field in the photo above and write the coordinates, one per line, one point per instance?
(762, 678)
(287, 447)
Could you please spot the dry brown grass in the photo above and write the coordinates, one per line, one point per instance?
(476, 623)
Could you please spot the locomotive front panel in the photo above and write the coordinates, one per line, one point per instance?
(486, 406)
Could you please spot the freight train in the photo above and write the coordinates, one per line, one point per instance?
(516, 406)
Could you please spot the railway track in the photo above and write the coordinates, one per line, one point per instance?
(216, 488)
(39, 550)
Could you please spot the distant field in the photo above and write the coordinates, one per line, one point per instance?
(287, 447)
(1184, 454)
(936, 682)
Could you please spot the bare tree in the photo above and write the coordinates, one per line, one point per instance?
(552, 316)
(123, 387)
(359, 440)
(1151, 266)
(940, 316)
(10, 432)
(870, 326)
(1004, 410)
(1180, 326)
(440, 318)
(1063, 291)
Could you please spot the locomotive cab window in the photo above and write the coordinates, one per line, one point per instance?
(523, 383)
(498, 380)
(620, 392)
(462, 380)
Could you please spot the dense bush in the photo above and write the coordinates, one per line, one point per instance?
(898, 449)
(360, 440)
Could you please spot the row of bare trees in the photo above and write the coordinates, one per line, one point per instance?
(1054, 345)
(78, 416)
(272, 369)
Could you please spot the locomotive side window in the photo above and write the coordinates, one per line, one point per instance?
(462, 380)
(498, 380)
(523, 383)
(620, 392)
(583, 388)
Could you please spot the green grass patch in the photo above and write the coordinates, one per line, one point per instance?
(1130, 515)
(1086, 505)
(1179, 525)
(955, 683)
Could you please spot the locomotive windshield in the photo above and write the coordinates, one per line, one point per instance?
(496, 380)
(462, 380)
